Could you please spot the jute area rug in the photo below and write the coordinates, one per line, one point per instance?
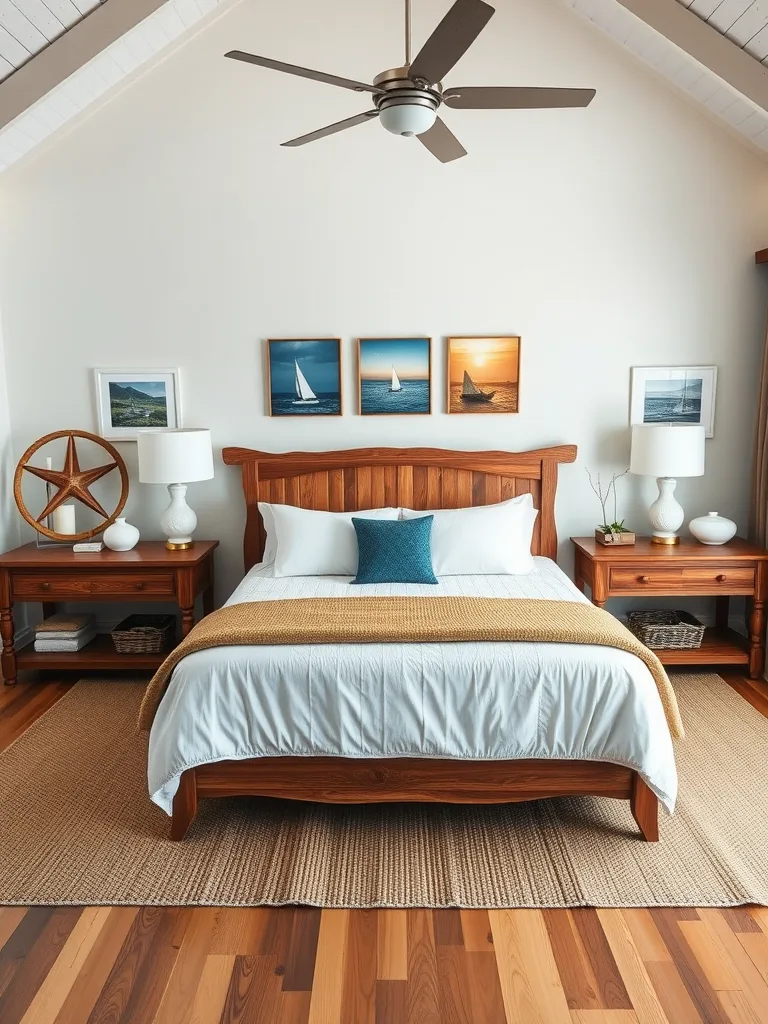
(77, 827)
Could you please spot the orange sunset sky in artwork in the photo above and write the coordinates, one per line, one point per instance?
(485, 359)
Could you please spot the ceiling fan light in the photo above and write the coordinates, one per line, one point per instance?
(407, 118)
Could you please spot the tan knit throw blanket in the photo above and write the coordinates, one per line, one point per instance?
(382, 620)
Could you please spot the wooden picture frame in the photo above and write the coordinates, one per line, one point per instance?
(408, 398)
(290, 403)
(163, 383)
(490, 395)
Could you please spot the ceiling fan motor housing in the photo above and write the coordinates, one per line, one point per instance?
(406, 107)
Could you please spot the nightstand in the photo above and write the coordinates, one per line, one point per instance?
(687, 569)
(147, 573)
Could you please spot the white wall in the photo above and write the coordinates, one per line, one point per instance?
(9, 526)
(169, 228)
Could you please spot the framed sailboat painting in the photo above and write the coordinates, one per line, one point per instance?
(674, 394)
(304, 376)
(484, 374)
(395, 376)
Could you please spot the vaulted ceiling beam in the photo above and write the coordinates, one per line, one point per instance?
(706, 45)
(69, 52)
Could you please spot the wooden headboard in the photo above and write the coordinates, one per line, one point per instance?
(347, 481)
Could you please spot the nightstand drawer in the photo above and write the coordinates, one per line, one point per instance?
(682, 580)
(66, 587)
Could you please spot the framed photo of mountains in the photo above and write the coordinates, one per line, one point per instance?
(484, 374)
(129, 401)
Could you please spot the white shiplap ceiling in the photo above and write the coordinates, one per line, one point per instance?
(744, 22)
(95, 78)
(29, 27)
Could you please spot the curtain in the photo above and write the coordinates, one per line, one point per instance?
(758, 518)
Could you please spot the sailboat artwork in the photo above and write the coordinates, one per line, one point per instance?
(470, 392)
(304, 377)
(394, 376)
(304, 393)
(484, 374)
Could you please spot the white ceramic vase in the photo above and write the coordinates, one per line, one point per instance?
(712, 529)
(121, 536)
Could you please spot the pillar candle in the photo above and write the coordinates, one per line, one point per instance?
(64, 519)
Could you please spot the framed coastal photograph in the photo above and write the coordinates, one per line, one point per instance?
(395, 376)
(304, 376)
(674, 394)
(483, 374)
(128, 401)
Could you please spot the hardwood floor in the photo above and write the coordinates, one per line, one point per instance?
(300, 965)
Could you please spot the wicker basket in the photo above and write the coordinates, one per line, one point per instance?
(666, 629)
(143, 634)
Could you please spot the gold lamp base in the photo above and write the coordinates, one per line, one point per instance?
(179, 547)
(664, 540)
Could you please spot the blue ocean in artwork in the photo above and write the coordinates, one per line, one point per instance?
(673, 401)
(305, 377)
(376, 397)
(286, 405)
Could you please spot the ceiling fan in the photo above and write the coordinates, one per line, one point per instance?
(407, 98)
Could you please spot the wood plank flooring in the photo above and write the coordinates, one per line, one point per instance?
(301, 965)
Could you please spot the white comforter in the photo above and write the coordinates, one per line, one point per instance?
(459, 700)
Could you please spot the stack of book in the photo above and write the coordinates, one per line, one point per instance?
(61, 633)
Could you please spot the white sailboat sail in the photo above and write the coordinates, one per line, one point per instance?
(395, 385)
(469, 387)
(304, 392)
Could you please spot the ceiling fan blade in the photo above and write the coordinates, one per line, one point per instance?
(339, 126)
(451, 39)
(442, 143)
(515, 98)
(294, 69)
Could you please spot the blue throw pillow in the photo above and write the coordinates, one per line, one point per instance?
(394, 550)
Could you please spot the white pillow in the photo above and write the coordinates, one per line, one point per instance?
(487, 540)
(312, 543)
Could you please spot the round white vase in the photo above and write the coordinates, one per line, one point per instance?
(712, 529)
(121, 536)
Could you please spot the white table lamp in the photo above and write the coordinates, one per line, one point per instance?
(667, 451)
(176, 458)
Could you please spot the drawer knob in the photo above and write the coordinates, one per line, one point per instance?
(139, 586)
(46, 586)
(644, 579)
(721, 578)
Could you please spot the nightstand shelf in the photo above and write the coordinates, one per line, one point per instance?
(719, 647)
(687, 569)
(99, 654)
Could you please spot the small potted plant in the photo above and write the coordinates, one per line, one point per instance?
(614, 532)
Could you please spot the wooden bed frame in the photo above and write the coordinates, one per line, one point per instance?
(421, 478)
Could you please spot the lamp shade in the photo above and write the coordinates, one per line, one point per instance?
(667, 449)
(175, 456)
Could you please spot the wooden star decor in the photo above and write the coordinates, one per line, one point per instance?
(72, 482)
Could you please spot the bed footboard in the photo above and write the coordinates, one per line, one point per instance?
(331, 780)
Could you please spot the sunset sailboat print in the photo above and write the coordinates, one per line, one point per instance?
(395, 385)
(483, 374)
(470, 392)
(304, 393)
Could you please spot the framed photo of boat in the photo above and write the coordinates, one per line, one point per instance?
(674, 394)
(394, 376)
(304, 376)
(483, 374)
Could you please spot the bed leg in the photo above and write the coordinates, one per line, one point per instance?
(645, 809)
(184, 805)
